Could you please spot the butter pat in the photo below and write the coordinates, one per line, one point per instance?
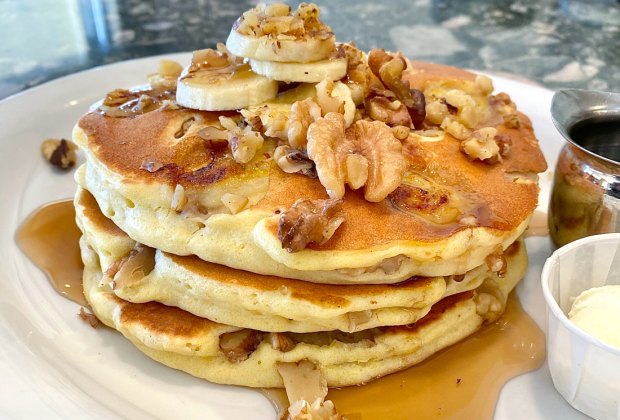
(597, 312)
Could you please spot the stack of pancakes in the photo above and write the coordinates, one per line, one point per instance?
(216, 294)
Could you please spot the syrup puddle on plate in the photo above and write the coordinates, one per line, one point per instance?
(460, 382)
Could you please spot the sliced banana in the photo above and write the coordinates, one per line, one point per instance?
(284, 49)
(214, 91)
(332, 69)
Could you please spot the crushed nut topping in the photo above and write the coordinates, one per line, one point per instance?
(60, 153)
(294, 161)
(329, 145)
(309, 222)
(278, 21)
(237, 346)
(303, 113)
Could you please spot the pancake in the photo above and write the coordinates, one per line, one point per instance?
(195, 345)
(134, 166)
(268, 303)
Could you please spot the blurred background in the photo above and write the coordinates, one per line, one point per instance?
(567, 43)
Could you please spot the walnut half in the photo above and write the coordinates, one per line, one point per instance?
(60, 153)
(309, 222)
(378, 162)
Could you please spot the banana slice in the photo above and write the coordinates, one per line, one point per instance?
(332, 69)
(275, 33)
(280, 49)
(216, 82)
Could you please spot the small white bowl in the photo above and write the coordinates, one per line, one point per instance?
(585, 371)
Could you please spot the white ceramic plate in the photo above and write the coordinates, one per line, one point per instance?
(52, 365)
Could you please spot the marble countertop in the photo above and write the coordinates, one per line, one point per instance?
(559, 43)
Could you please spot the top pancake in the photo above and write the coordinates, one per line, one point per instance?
(501, 196)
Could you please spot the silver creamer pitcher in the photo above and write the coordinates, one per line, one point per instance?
(586, 191)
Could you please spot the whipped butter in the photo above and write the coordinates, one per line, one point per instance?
(597, 311)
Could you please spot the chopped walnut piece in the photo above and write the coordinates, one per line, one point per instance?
(89, 317)
(269, 119)
(504, 143)
(389, 68)
(329, 145)
(139, 263)
(393, 113)
(359, 75)
(294, 161)
(237, 346)
(303, 113)
(401, 132)
(335, 97)
(488, 305)
(179, 199)
(455, 129)
(306, 389)
(309, 222)
(243, 141)
(436, 111)
(484, 84)
(60, 153)
(481, 144)
(512, 120)
(496, 262)
(317, 410)
(281, 342)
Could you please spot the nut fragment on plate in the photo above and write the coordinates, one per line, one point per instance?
(309, 222)
(306, 389)
(329, 146)
(60, 153)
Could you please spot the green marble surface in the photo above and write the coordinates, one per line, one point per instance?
(555, 43)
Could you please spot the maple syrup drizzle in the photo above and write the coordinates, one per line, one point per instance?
(49, 238)
(462, 381)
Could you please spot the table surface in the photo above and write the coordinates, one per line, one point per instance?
(559, 43)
